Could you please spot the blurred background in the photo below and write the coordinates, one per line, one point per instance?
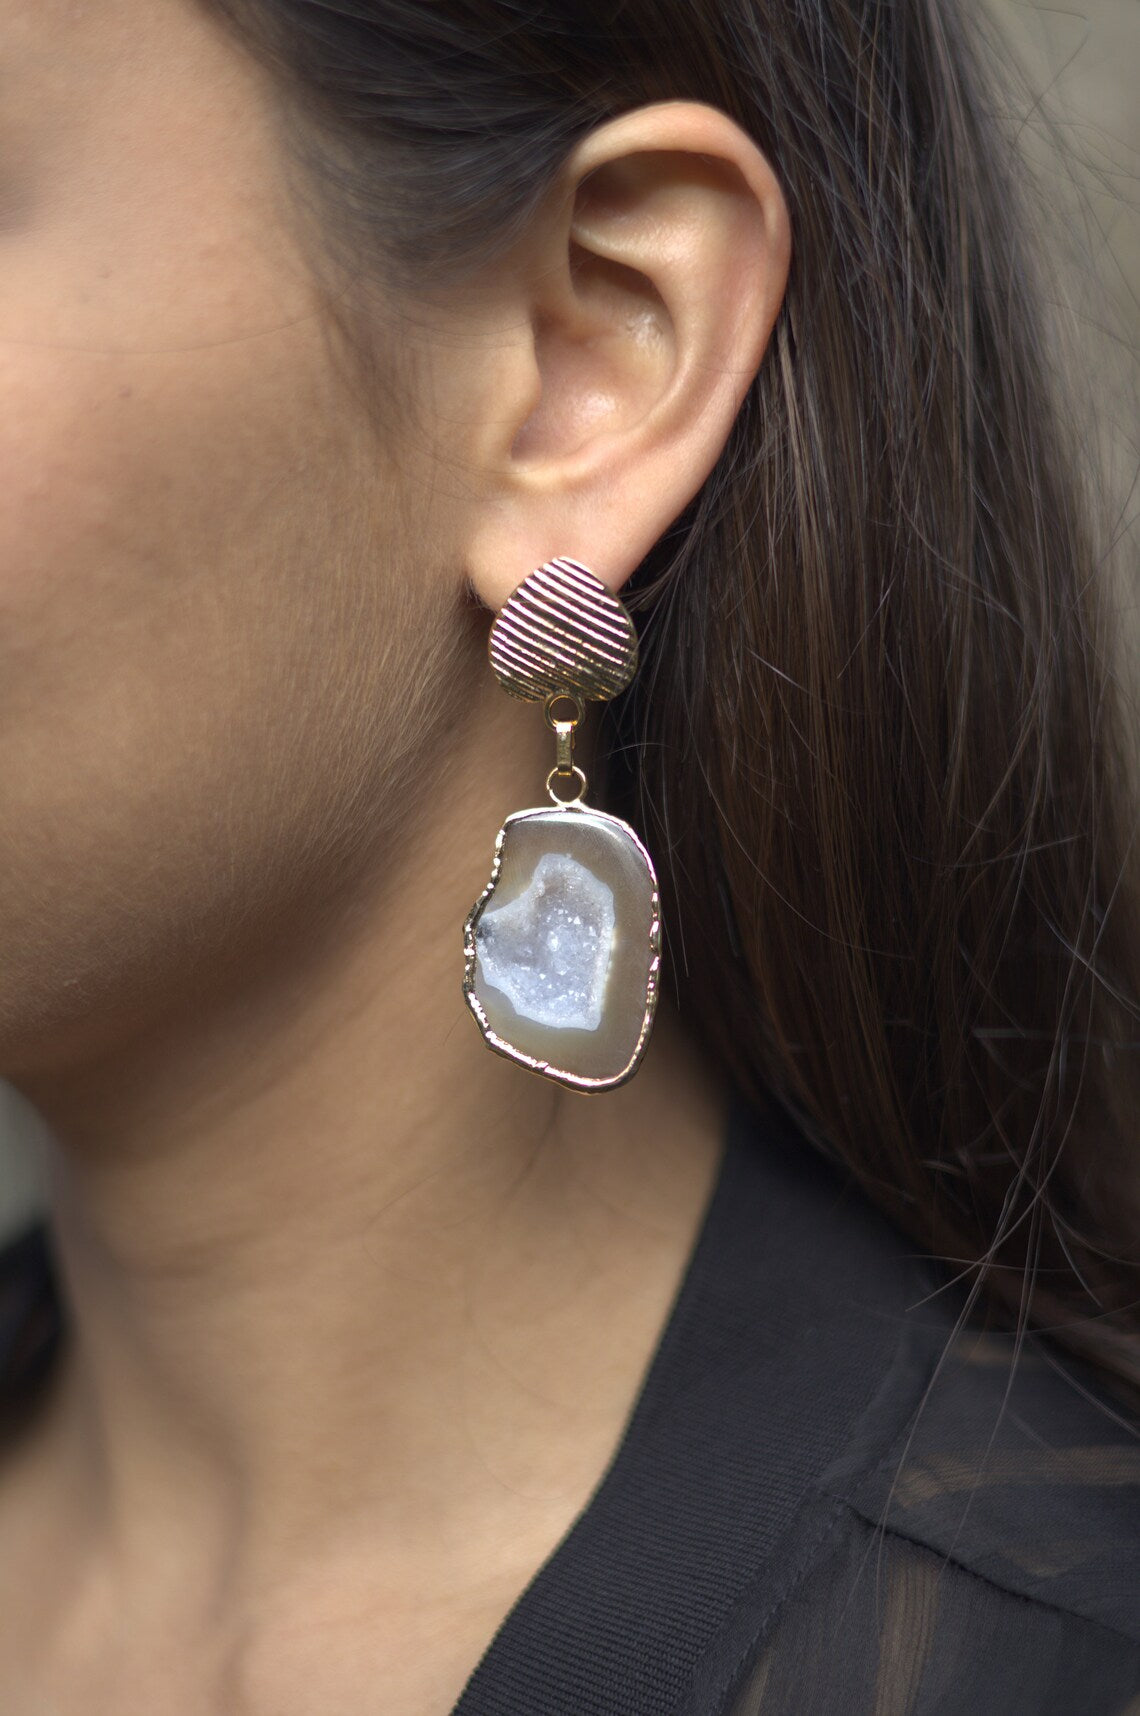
(1074, 105)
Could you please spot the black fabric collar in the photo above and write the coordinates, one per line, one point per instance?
(787, 1319)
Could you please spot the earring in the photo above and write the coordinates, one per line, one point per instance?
(562, 950)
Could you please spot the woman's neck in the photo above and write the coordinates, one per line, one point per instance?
(342, 1279)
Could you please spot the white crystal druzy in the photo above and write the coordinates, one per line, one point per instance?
(549, 950)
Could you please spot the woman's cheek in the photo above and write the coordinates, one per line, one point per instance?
(74, 490)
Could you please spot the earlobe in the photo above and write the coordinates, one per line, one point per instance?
(652, 289)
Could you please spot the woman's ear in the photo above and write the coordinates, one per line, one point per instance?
(628, 327)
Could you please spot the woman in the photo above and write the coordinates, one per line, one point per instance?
(358, 1368)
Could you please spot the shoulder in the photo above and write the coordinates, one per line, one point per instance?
(1013, 1466)
(988, 1560)
(1003, 1456)
(973, 1541)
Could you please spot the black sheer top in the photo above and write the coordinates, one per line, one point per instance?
(825, 1501)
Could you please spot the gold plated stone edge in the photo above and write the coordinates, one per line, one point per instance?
(574, 1081)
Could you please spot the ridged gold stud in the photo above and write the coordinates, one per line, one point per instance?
(563, 630)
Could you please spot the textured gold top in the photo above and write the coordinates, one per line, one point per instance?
(562, 630)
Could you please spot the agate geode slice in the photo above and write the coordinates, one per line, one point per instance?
(563, 947)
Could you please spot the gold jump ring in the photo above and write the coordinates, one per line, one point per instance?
(558, 774)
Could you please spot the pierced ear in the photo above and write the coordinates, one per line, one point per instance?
(634, 321)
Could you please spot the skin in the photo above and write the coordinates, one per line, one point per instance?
(360, 1308)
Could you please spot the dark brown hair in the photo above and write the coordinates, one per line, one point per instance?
(876, 745)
